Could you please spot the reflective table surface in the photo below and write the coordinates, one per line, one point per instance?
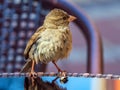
(54, 83)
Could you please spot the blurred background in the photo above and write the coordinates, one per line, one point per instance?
(106, 16)
(21, 22)
(17, 24)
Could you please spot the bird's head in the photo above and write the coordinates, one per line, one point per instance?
(58, 17)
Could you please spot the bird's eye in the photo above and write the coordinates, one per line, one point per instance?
(64, 18)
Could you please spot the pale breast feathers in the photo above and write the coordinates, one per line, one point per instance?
(49, 45)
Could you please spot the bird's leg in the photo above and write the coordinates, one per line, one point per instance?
(32, 73)
(59, 70)
(33, 64)
(63, 73)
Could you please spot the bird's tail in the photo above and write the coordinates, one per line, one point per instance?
(27, 67)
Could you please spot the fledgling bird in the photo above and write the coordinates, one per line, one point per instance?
(51, 42)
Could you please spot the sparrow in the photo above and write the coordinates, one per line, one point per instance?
(51, 42)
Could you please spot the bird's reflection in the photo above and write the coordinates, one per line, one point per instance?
(39, 84)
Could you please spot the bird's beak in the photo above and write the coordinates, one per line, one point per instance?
(71, 18)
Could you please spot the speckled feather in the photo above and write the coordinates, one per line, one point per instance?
(49, 45)
(52, 41)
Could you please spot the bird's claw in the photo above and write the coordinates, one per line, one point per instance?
(33, 75)
(62, 73)
(63, 76)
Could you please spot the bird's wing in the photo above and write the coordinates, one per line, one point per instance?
(28, 64)
(32, 41)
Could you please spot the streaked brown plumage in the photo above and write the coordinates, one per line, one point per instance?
(51, 42)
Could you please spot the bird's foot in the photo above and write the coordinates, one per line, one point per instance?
(62, 73)
(33, 75)
(63, 76)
